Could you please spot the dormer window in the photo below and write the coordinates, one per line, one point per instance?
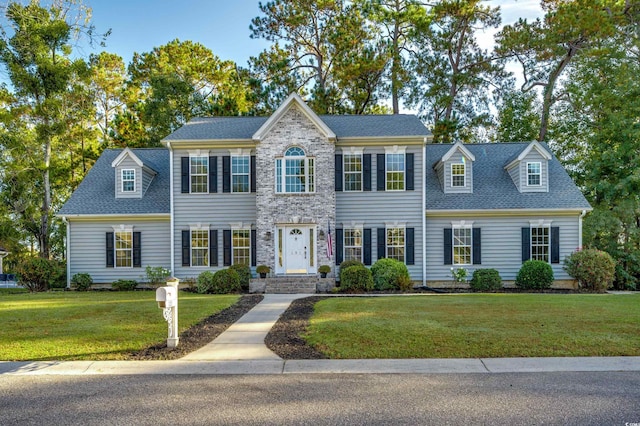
(534, 174)
(458, 175)
(128, 180)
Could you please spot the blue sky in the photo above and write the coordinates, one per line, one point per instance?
(220, 25)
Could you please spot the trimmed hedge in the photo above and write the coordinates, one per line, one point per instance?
(124, 285)
(347, 264)
(486, 280)
(594, 269)
(388, 273)
(223, 281)
(81, 281)
(534, 275)
(244, 274)
(356, 278)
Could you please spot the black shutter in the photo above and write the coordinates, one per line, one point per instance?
(380, 168)
(213, 174)
(137, 250)
(186, 248)
(226, 247)
(410, 172)
(448, 246)
(109, 249)
(526, 244)
(382, 243)
(338, 172)
(339, 246)
(226, 174)
(254, 252)
(184, 174)
(477, 246)
(213, 247)
(555, 244)
(366, 241)
(253, 173)
(366, 172)
(409, 247)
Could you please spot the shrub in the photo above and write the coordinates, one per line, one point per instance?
(534, 275)
(347, 264)
(387, 274)
(38, 274)
(356, 278)
(324, 269)
(124, 285)
(486, 280)
(594, 269)
(244, 274)
(81, 281)
(222, 282)
(156, 275)
(405, 283)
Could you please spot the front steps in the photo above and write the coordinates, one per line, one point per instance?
(291, 284)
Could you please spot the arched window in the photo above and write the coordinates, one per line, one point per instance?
(295, 172)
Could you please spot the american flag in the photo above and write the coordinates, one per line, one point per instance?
(329, 242)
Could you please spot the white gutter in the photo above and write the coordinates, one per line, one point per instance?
(171, 218)
(423, 213)
(584, 212)
(67, 252)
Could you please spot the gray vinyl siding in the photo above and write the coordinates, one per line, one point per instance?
(128, 163)
(534, 156)
(514, 172)
(146, 180)
(218, 210)
(440, 172)
(456, 158)
(87, 248)
(501, 244)
(374, 208)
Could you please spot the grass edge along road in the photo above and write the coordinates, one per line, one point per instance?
(477, 326)
(92, 325)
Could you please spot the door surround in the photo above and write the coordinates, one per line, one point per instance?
(296, 249)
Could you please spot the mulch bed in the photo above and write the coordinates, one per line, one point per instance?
(202, 333)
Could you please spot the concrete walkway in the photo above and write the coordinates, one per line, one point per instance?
(244, 340)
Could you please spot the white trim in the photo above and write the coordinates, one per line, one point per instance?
(458, 146)
(242, 154)
(344, 241)
(403, 227)
(122, 229)
(281, 177)
(242, 227)
(424, 216)
(464, 175)
(545, 224)
(395, 150)
(538, 147)
(466, 226)
(67, 252)
(539, 223)
(122, 180)
(539, 163)
(126, 152)
(171, 212)
(200, 155)
(462, 224)
(354, 152)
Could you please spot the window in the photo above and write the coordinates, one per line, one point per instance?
(458, 178)
(395, 243)
(352, 172)
(240, 173)
(462, 246)
(540, 243)
(128, 180)
(124, 249)
(199, 247)
(353, 244)
(199, 173)
(241, 246)
(533, 174)
(395, 172)
(295, 172)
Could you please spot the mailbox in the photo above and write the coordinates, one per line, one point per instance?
(167, 297)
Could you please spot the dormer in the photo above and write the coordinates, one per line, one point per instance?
(530, 169)
(455, 170)
(132, 177)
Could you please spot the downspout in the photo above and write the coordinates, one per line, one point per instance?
(423, 213)
(584, 212)
(171, 220)
(66, 250)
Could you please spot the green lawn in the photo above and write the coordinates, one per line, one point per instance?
(472, 326)
(91, 325)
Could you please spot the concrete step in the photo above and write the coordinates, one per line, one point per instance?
(291, 285)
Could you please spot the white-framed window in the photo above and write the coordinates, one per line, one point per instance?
(534, 174)
(295, 172)
(396, 243)
(199, 247)
(241, 246)
(458, 175)
(395, 171)
(240, 169)
(540, 242)
(199, 173)
(352, 244)
(128, 180)
(123, 248)
(462, 245)
(352, 167)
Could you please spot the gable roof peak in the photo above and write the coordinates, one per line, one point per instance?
(458, 146)
(294, 99)
(533, 145)
(124, 154)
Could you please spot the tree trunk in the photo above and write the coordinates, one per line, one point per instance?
(547, 100)
(395, 67)
(46, 199)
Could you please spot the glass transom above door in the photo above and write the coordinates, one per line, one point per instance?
(295, 249)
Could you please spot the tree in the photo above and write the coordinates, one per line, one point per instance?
(108, 76)
(518, 120)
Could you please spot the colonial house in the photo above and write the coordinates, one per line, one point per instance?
(295, 190)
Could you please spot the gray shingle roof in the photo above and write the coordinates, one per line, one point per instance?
(96, 193)
(343, 126)
(492, 186)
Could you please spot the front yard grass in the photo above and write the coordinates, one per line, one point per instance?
(92, 325)
(475, 326)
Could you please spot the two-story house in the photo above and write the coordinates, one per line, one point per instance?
(296, 190)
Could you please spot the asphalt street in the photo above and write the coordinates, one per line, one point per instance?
(559, 398)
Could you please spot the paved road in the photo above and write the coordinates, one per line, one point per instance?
(593, 398)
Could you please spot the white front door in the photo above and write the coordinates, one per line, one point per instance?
(296, 252)
(295, 249)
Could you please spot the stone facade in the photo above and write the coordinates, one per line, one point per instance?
(277, 209)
